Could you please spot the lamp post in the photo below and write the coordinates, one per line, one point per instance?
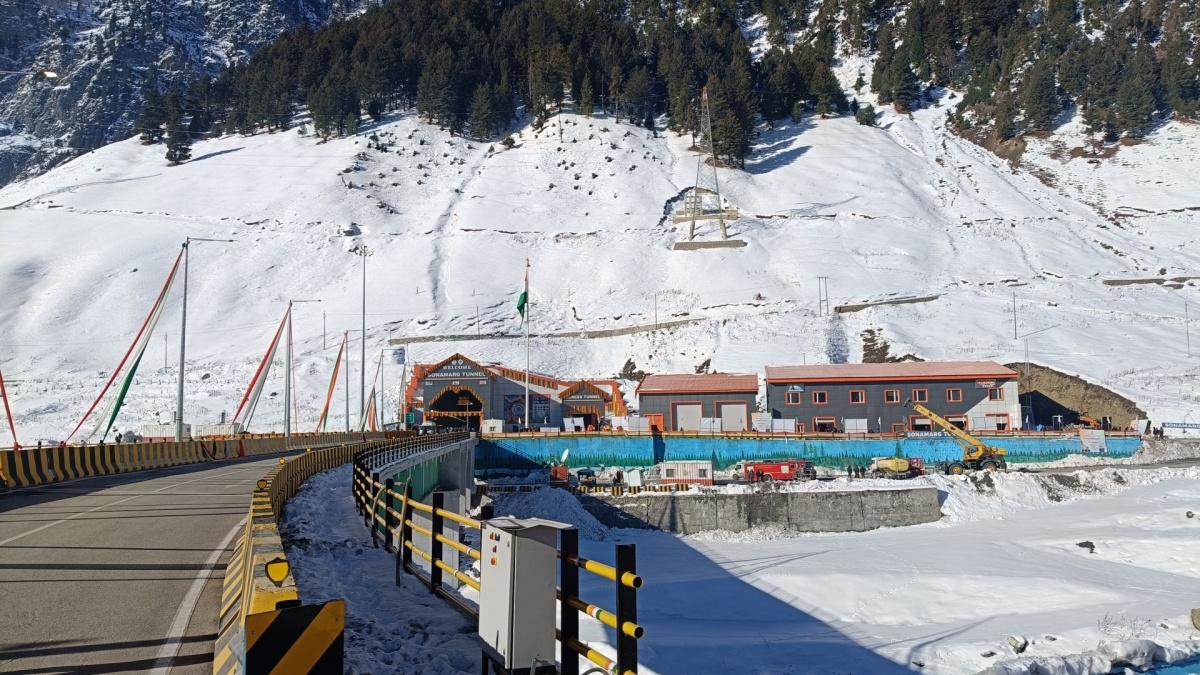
(183, 333)
(362, 380)
(287, 376)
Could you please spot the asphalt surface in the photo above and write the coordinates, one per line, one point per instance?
(119, 574)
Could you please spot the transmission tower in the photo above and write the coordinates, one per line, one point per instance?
(706, 174)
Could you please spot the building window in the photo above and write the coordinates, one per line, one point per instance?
(824, 425)
(995, 394)
(793, 398)
(899, 427)
(920, 396)
(954, 395)
(820, 397)
(858, 396)
(891, 395)
(997, 422)
(959, 421)
(704, 473)
(670, 473)
(918, 423)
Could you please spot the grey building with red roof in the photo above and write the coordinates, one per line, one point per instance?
(681, 402)
(869, 397)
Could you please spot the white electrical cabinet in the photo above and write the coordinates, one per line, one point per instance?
(517, 579)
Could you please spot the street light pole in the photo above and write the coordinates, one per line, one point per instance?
(362, 394)
(183, 333)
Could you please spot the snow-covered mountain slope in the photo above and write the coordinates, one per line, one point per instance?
(101, 50)
(907, 209)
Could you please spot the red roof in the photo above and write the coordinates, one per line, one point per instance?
(708, 383)
(908, 370)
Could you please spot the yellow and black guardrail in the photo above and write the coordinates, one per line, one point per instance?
(27, 467)
(263, 626)
(389, 514)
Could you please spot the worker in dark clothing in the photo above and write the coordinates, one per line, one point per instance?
(618, 477)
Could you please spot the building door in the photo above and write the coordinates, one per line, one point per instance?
(733, 416)
(655, 421)
(687, 416)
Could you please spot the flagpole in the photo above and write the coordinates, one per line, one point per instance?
(528, 403)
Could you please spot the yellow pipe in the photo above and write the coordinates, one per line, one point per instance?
(463, 520)
(462, 548)
(590, 654)
(418, 528)
(605, 617)
(600, 569)
(457, 575)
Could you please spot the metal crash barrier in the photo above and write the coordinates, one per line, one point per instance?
(263, 626)
(390, 511)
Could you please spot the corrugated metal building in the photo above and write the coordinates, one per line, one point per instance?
(869, 397)
(683, 402)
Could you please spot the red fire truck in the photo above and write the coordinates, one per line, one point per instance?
(767, 470)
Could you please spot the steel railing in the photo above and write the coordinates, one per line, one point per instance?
(390, 511)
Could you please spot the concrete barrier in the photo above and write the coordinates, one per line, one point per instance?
(25, 467)
(823, 511)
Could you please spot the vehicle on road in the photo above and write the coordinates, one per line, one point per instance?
(977, 455)
(768, 470)
(896, 467)
(585, 476)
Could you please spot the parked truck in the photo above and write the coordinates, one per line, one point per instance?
(768, 470)
(897, 467)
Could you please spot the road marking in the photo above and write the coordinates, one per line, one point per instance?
(35, 530)
(178, 630)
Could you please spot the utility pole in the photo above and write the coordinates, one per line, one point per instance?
(1187, 329)
(1014, 315)
(823, 296)
(528, 403)
(183, 333)
(362, 400)
(287, 376)
(346, 378)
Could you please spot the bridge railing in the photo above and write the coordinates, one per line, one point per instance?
(29, 466)
(390, 511)
(263, 626)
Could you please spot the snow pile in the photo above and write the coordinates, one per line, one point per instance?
(984, 496)
(1105, 659)
(551, 504)
(389, 628)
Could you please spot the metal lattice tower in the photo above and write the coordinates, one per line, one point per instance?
(706, 174)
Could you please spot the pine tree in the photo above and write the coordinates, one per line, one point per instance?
(1137, 97)
(865, 115)
(585, 96)
(152, 116)
(179, 139)
(1040, 96)
(905, 87)
(481, 112)
(881, 75)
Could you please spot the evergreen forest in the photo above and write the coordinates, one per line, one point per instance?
(476, 68)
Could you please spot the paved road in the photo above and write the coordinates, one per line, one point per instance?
(119, 574)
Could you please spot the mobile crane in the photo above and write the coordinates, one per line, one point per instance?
(977, 455)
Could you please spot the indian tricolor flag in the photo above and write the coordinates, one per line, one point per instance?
(523, 299)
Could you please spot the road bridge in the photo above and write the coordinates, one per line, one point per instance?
(119, 573)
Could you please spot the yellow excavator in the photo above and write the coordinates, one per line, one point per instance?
(977, 455)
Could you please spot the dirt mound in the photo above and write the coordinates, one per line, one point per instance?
(1055, 393)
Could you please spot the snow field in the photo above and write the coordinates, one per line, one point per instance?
(902, 210)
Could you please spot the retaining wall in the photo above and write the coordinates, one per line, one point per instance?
(647, 450)
(846, 511)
